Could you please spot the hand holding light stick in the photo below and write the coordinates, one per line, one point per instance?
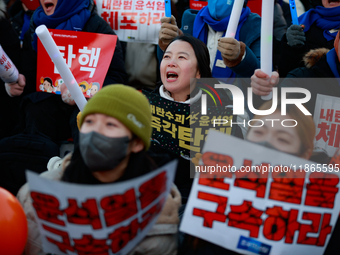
(234, 18)
(267, 40)
(60, 64)
(8, 72)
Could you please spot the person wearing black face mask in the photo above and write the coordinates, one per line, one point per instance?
(115, 133)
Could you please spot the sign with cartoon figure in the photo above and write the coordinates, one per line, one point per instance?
(98, 219)
(88, 55)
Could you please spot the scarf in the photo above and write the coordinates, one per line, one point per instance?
(324, 18)
(68, 15)
(201, 32)
(77, 172)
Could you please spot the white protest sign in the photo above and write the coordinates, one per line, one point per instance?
(98, 219)
(8, 72)
(327, 123)
(243, 211)
(133, 21)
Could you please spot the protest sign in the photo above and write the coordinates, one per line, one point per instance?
(133, 21)
(98, 219)
(182, 128)
(8, 71)
(88, 55)
(327, 123)
(268, 203)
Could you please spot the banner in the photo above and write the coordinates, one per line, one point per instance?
(133, 21)
(88, 55)
(327, 124)
(182, 128)
(267, 203)
(98, 219)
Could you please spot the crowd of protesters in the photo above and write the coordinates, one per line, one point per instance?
(191, 45)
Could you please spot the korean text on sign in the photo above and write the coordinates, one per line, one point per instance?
(135, 20)
(98, 219)
(292, 212)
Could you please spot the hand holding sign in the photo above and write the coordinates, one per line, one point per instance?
(16, 88)
(66, 95)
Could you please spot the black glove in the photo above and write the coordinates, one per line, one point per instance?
(295, 35)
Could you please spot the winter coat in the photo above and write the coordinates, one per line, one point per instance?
(317, 68)
(291, 57)
(162, 238)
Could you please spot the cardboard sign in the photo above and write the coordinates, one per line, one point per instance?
(251, 209)
(88, 55)
(182, 128)
(197, 5)
(98, 219)
(133, 21)
(327, 123)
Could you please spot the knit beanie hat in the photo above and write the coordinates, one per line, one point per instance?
(127, 105)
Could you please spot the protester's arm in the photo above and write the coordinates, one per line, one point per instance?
(247, 60)
(262, 85)
(293, 48)
(16, 88)
(168, 31)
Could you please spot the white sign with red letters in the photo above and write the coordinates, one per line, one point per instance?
(327, 123)
(251, 209)
(98, 219)
(135, 20)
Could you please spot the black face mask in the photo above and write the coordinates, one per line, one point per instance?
(270, 146)
(102, 153)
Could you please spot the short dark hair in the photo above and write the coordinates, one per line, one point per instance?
(201, 53)
(83, 86)
(49, 80)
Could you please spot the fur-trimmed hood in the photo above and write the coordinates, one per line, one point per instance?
(2, 9)
(314, 56)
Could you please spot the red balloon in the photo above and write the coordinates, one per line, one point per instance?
(13, 224)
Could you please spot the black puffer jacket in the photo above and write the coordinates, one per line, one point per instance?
(291, 57)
